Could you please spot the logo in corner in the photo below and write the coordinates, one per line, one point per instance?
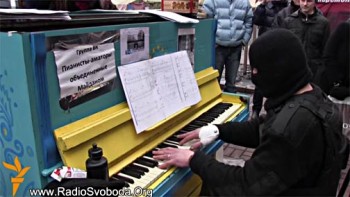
(17, 167)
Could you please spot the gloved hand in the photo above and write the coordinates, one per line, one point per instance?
(208, 134)
(204, 136)
(339, 93)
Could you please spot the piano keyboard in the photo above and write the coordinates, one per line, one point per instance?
(144, 171)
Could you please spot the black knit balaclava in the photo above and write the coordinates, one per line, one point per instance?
(280, 60)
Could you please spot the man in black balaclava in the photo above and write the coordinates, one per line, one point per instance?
(293, 155)
(283, 74)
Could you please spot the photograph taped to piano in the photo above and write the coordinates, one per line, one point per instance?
(186, 39)
(134, 44)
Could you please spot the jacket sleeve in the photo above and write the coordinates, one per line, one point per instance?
(259, 17)
(240, 133)
(335, 49)
(257, 177)
(326, 33)
(278, 20)
(248, 23)
(276, 165)
(209, 8)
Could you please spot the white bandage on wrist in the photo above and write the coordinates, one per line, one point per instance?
(208, 134)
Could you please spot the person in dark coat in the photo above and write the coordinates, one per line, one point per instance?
(335, 78)
(265, 13)
(285, 12)
(264, 16)
(289, 160)
(313, 29)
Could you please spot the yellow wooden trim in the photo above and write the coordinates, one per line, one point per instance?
(72, 135)
(162, 178)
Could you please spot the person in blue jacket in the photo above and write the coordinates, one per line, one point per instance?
(234, 29)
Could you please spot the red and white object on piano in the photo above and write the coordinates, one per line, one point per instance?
(185, 7)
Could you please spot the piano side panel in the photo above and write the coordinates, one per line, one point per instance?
(18, 125)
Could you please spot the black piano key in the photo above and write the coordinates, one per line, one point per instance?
(224, 104)
(174, 138)
(215, 114)
(164, 145)
(181, 132)
(149, 154)
(210, 115)
(227, 104)
(206, 119)
(139, 167)
(203, 121)
(111, 179)
(150, 160)
(141, 172)
(146, 162)
(123, 178)
(190, 127)
(198, 123)
(216, 111)
(131, 173)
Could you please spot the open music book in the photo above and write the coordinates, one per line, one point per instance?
(159, 87)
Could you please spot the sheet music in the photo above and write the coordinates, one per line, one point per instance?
(189, 92)
(139, 87)
(157, 88)
(168, 90)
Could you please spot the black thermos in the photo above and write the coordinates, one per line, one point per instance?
(96, 164)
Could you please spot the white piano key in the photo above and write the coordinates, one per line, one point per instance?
(223, 117)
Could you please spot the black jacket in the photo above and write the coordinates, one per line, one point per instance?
(336, 75)
(285, 162)
(284, 13)
(264, 14)
(313, 31)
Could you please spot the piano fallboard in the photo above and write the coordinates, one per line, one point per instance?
(113, 130)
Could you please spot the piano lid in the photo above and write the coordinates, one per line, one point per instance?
(79, 19)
